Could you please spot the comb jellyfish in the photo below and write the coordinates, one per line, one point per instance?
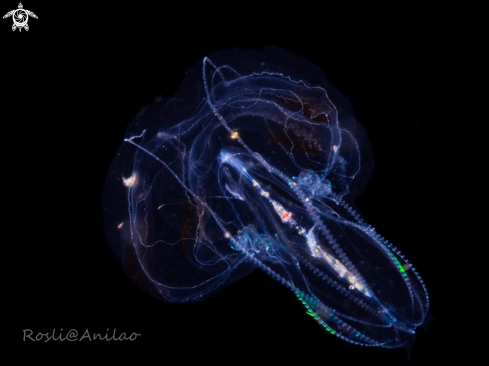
(254, 164)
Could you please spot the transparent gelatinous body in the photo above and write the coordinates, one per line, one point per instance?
(254, 163)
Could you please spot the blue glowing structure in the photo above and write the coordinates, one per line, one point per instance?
(254, 163)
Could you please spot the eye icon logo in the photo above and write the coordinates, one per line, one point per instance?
(20, 17)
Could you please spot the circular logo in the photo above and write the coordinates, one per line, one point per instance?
(20, 17)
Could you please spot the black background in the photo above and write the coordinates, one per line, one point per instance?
(71, 85)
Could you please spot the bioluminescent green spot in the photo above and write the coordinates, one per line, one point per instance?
(399, 266)
(311, 312)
